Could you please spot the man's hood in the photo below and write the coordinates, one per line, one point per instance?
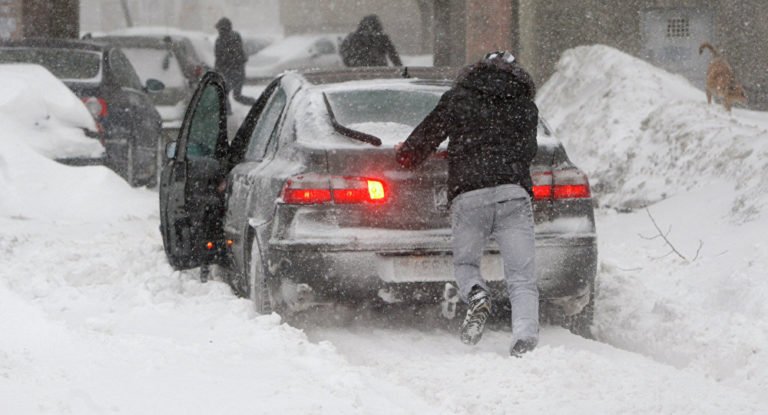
(512, 81)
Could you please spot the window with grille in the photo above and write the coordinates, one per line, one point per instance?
(678, 28)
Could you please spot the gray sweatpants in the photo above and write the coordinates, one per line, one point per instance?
(504, 213)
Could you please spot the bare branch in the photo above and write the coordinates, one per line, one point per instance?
(698, 250)
(655, 225)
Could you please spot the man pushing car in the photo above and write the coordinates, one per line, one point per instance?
(491, 119)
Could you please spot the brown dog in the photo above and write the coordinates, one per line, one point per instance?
(721, 82)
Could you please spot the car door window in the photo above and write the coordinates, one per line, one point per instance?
(204, 125)
(266, 126)
(123, 71)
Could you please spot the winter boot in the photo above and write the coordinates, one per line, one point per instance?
(522, 347)
(477, 314)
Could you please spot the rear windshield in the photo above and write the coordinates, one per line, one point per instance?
(388, 114)
(160, 64)
(65, 64)
(393, 114)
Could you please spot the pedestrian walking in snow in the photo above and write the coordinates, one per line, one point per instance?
(230, 60)
(491, 119)
(369, 45)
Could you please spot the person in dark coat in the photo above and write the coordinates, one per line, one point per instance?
(492, 121)
(369, 45)
(230, 60)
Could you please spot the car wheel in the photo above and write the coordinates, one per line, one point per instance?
(260, 289)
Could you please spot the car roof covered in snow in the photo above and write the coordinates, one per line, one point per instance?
(440, 75)
(56, 43)
(134, 41)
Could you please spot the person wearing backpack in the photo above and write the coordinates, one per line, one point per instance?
(369, 45)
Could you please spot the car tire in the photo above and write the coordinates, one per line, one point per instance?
(261, 290)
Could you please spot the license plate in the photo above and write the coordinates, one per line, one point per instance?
(441, 198)
(432, 268)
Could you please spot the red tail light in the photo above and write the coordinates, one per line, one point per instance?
(542, 185)
(318, 189)
(96, 106)
(560, 184)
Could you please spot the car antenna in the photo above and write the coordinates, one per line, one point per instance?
(354, 134)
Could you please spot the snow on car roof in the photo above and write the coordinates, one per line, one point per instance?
(202, 42)
(316, 122)
(288, 48)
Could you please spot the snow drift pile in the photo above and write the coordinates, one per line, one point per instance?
(32, 99)
(42, 120)
(643, 134)
(648, 138)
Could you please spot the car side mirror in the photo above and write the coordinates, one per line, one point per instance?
(170, 150)
(154, 86)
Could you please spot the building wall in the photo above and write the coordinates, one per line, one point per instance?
(547, 28)
(39, 18)
(251, 16)
(10, 19)
(402, 19)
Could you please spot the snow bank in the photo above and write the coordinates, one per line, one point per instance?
(31, 98)
(648, 138)
(41, 119)
(643, 134)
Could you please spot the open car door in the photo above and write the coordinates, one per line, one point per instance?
(191, 195)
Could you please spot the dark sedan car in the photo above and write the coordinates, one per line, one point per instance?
(160, 59)
(316, 208)
(106, 82)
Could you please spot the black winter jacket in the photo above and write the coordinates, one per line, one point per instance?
(491, 121)
(230, 56)
(368, 46)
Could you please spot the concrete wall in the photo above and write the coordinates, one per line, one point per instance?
(39, 18)
(547, 28)
(248, 16)
(402, 19)
(10, 19)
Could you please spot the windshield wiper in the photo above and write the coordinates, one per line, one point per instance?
(354, 134)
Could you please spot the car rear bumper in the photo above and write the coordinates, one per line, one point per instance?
(565, 266)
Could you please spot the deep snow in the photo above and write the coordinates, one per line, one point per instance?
(643, 136)
(94, 321)
(50, 116)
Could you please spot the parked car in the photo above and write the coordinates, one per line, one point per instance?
(103, 78)
(295, 52)
(254, 43)
(195, 49)
(161, 59)
(56, 122)
(317, 210)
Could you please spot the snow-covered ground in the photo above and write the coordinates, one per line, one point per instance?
(94, 321)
